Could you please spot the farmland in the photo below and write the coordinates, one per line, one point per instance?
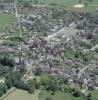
(68, 4)
(22, 95)
(6, 19)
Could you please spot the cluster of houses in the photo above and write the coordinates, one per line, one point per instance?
(50, 57)
(37, 53)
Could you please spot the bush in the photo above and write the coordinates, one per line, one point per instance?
(76, 93)
(31, 90)
(6, 61)
(96, 50)
(22, 85)
(48, 98)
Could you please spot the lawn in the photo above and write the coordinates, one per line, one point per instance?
(95, 95)
(22, 95)
(6, 19)
(68, 4)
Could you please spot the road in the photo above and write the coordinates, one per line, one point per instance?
(61, 31)
(66, 31)
(82, 71)
(94, 47)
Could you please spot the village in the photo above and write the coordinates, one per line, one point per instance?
(57, 42)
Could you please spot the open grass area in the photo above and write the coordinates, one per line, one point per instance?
(68, 4)
(22, 95)
(95, 95)
(6, 19)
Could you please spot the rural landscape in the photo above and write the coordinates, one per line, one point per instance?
(48, 49)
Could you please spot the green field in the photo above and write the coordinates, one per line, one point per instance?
(22, 95)
(68, 4)
(95, 95)
(6, 19)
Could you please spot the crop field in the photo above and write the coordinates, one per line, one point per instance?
(6, 19)
(70, 4)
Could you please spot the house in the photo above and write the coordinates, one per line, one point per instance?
(2, 80)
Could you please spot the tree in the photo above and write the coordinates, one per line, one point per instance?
(52, 85)
(6, 61)
(89, 97)
(4, 88)
(2, 6)
(22, 85)
(27, 4)
(9, 83)
(8, 1)
(1, 93)
(89, 36)
(76, 93)
(48, 98)
(31, 89)
(34, 83)
(96, 50)
(35, 1)
(86, 3)
(38, 71)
